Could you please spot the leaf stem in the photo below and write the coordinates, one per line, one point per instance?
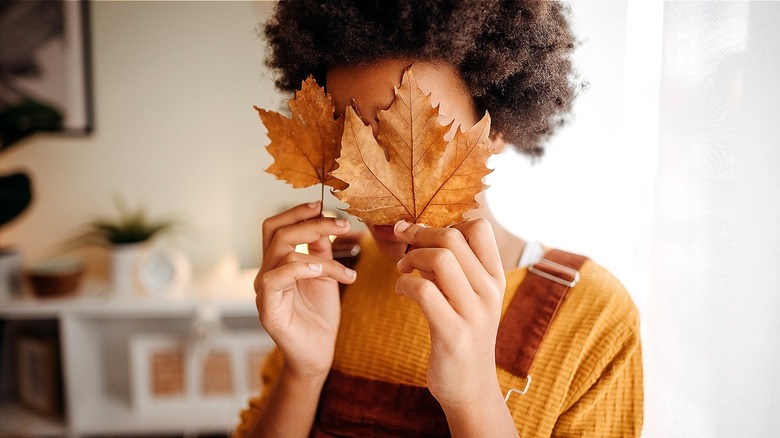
(322, 198)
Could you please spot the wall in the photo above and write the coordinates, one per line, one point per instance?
(592, 191)
(174, 85)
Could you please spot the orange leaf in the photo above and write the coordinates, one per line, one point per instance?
(409, 171)
(305, 147)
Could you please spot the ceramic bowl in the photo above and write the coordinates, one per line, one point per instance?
(55, 278)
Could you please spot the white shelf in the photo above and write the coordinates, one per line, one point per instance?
(94, 300)
(111, 416)
(95, 329)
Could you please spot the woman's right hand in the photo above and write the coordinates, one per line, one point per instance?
(298, 294)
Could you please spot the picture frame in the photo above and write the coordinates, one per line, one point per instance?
(158, 370)
(37, 374)
(45, 68)
(170, 371)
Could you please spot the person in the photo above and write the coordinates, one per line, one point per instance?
(435, 353)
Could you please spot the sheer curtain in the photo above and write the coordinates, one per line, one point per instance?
(669, 175)
(712, 337)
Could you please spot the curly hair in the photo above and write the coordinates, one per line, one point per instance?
(514, 55)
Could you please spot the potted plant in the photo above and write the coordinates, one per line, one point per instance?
(126, 236)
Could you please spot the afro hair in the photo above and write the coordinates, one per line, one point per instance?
(514, 55)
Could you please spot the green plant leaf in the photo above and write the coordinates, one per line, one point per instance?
(130, 226)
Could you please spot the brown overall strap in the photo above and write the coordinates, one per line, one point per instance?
(533, 309)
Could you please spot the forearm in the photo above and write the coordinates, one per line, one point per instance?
(487, 415)
(291, 407)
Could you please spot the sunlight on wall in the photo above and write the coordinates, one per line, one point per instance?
(592, 192)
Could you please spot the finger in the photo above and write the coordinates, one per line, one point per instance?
(299, 213)
(481, 239)
(423, 237)
(290, 269)
(313, 231)
(441, 267)
(440, 315)
(321, 247)
(272, 285)
(330, 268)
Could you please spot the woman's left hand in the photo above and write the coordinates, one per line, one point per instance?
(460, 291)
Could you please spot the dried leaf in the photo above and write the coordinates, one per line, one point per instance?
(305, 147)
(409, 171)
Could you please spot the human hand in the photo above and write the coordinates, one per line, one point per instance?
(460, 292)
(297, 294)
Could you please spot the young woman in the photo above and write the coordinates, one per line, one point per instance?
(488, 317)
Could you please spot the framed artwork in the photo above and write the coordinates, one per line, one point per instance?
(45, 68)
(169, 371)
(158, 370)
(37, 374)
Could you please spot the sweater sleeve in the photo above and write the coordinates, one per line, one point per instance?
(270, 374)
(610, 401)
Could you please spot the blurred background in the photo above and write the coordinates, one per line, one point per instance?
(667, 175)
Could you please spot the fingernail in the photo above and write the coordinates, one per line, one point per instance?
(350, 273)
(316, 267)
(420, 224)
(402, 226)
(341, 222)
(314, 204)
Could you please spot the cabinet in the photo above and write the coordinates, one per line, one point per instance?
(94, 334)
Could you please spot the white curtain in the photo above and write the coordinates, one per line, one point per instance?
(712, 319)
(669, 175)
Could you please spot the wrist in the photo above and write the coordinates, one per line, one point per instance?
(291, 407)
(479, 400)
(307, 368)
(305, 380)
(484, 414)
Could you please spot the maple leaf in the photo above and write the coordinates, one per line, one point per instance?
(409, 171)
(306, 146)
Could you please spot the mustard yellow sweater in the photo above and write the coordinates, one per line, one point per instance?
(586, 377)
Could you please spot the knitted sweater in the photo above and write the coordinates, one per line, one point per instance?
(586, 376)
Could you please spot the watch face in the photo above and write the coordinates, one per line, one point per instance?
(163, 271)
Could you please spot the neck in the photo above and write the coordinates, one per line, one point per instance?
(510, 247)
